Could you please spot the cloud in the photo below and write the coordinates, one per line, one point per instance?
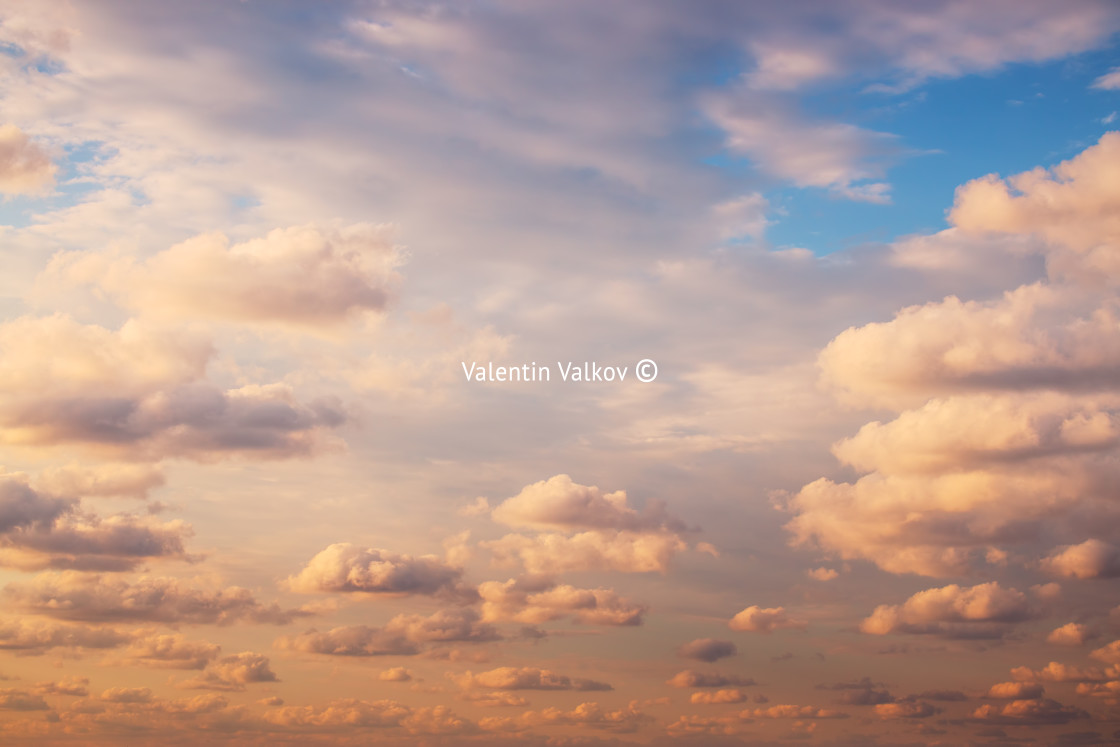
(347, 712)
(70, 686)
(1070, 205)
(625, 551)
(404, 635)
(1109, 654)
(1015, 691)
(171, 651)
(822, 574)
(21, 700)
(1008, 426)
(395, 674)
(303, 276)
(139, 392)
(347, 568)
(111, 479)
(24, 166)
(560, 503)
(1070, 634)
(70, 595)
(689, 678)
(1031, 711)
(36, 637)
(984, 610)
(233, 673)
(840, 157)
(526, 678)
(1057, 672)
(707, 649)
(888, 711)
(719, 697)
(755, 619)
(861, 692)
(623, 720)
(1091, 559)
(534, 600)
(1110, 81)
(793, 711)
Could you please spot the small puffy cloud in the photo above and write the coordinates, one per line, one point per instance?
(624, 551)
(346, 713)
(560, 503)
(707, 649)
(1109, 654)
(718, 697)
(861, 692)
(909, 709)
(478, 507)
(1015, 691)
(983, 610)
(1093, 558)
(755, 619)
(822, 574)
(1070, 634)
(233, 673)
(70, 595)
(526, 678)
(77, 687)
(1032, 711)
(1110, 81)
(127, 695)
(793, 711)
(533, 600)
(21, 700)
(304, 276)
(1057, 672)
(404, 635)
(689, 678)
(343, 567)
(35, 637)
(24, 166)
(395, 674)
(592, 715)
(171, 651)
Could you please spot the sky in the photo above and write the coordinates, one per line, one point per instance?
(266, 267)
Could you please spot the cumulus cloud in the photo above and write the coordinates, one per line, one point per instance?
(21, 700)
(985, 610)
(24, 166)
(689, 678)
(560, 503)
(719, 697)
(233, 673)
(794, 711)
(526, 678)
(625, 551)
(1070, 634)
(304, 276)
(77, 687)
(537, 600)
(1058, 672)
(395, 674)
(171, 651)
(35, 637)
(915, 709)
(1093, 558)
(755, 619)
(1015, 691)
(343, 567)
(707, 649)
(622, 720)
(1031, 711)
(404, 635)
(139, 392)
(71, 595)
